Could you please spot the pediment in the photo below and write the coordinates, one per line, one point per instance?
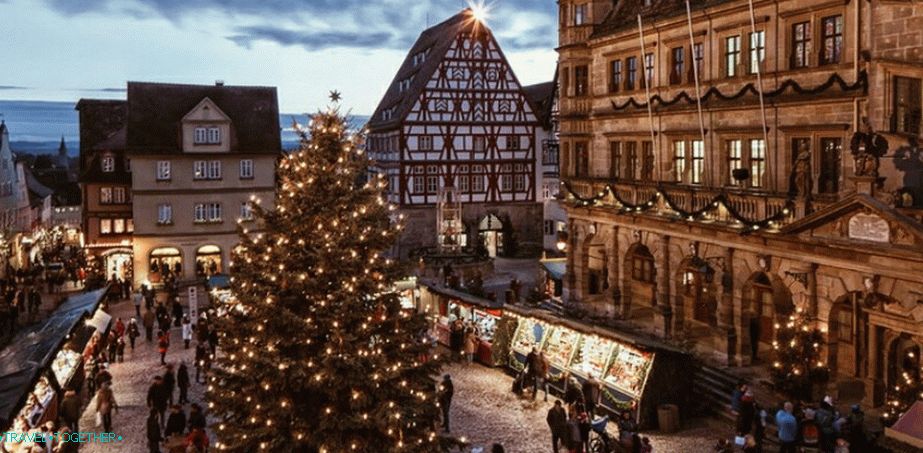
(860, 219)
(206, 111)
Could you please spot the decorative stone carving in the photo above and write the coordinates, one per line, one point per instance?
(869, 227)
(802, 181)
(867, 147)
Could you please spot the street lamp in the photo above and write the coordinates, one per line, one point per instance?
(562, 241)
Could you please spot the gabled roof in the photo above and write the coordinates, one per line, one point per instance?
(624, 14)
(542, 96)
(37, 191)
(99, 119)
(155, 111)
(910, 228)
(435, 41)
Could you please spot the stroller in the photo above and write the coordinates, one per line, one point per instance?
(601, 442)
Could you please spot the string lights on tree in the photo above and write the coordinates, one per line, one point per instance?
(907, 389)
(316, 353)
(798, 363)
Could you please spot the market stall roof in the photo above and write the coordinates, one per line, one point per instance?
(556, 268)
(100, 321)
(219, 281)
(624, 337)
(34, 347)
(909, 428)
(462, 296)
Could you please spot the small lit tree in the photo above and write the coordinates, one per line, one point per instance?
(798, 364)
(907, 390)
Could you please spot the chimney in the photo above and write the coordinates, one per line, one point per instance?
(219, 83)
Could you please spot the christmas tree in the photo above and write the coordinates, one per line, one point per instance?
(315, 352)
(798, 363)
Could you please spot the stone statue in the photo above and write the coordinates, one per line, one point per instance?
(802, 179)
(867, 147)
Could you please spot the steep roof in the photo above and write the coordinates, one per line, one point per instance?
(435, 41)
(37, 191)
(99, 119)
(624, 14)
(541, 95)
(156, 109)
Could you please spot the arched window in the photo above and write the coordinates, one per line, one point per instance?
(697, 277)
(165, 262)
(208, 261)
(642, 265)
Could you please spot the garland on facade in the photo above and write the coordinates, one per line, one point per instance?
(720, 200)
(713, 92)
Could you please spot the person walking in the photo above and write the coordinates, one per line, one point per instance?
(196, 417)
(119, 328)
(105, 404)
(169, 382)
(136, 299)
(574, 441)
(148, 321)
(90, 368)
(153, 432)
(120, 349)
(112, 346)
(788, 428)
(182, 381)
(591, 394)
(163, 343)
(70, 410)
(157, 398)
(745, 414)
(446, 391)
(557, 423)
(540, 377)
(176, 422)
(177, 312)
(200, 353)
(187, 332)
(133, 332)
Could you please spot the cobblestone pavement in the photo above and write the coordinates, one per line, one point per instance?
(130, 381)
(484, 411)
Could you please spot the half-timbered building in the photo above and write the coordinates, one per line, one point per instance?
(734, 163)
(455, 127)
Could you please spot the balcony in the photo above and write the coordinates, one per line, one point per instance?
(661, 199)
(574, 34)
(576, 106)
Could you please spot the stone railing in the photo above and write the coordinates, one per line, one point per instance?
(574, 34)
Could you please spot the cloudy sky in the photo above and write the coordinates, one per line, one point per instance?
(63, 50)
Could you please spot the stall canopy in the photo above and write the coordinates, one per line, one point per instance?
(909, 428)
(34, 347)
(219, 281)
(555, 269)
(462, 296)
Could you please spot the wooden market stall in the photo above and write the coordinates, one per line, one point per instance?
(445, 305)
(637, 373)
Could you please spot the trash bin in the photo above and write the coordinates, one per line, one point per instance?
(668, 418)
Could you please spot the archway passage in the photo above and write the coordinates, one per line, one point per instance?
(903, 362)
(698, 291)
(597, 265)
(165, 263)
(208, 261)
(490, 231)
(769, 303)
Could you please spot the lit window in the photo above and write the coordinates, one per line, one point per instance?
(679, 160)
(698, 161)
(757, 162)
(246, 168)
(130, 225)
(105, 195)
(118, 195)
(105, 226)
(118, 226)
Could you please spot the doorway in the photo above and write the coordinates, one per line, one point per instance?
(490, 230)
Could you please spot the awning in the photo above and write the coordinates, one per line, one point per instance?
(555, 269)
(100, 321)
(462, 296)
(218, 281)
(909, 428)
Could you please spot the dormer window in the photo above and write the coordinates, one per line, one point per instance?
(207, 135)
(404, 85)
(108, 163)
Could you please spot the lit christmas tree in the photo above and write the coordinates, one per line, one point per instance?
(798, 363)
(315, 353)
(907, 391)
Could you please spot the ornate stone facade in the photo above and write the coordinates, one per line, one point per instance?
(709, 222)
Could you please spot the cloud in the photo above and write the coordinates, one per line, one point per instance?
(11, 87)
(321, 24)
(310, 40)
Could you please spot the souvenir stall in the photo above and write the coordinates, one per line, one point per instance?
(446, 305)
(636, 373)
(408, 293)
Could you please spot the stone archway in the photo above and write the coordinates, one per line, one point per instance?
(595, 262)
(639, 271)
(698, 293)
(903, 357)
(846, 335)
(766, 302)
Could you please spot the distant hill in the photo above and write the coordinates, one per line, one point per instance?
(36, 127)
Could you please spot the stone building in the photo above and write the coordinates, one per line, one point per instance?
(729, 167)
(456, 129)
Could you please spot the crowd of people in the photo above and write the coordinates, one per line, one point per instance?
(809, 428)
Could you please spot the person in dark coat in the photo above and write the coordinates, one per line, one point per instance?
(148, 321)
(557, 423)
(163, 343)
(591, 393)
(196, 417)
(177, 312)
(133, 332)
(70, 410)
(446, 391)
(200, 353)
(176, 422)
(153, 432)
(540, 375)
(169, 382)
(157, 398)
(182, 381)
(746, 414)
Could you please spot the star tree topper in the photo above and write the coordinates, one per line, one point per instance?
(335, 96)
